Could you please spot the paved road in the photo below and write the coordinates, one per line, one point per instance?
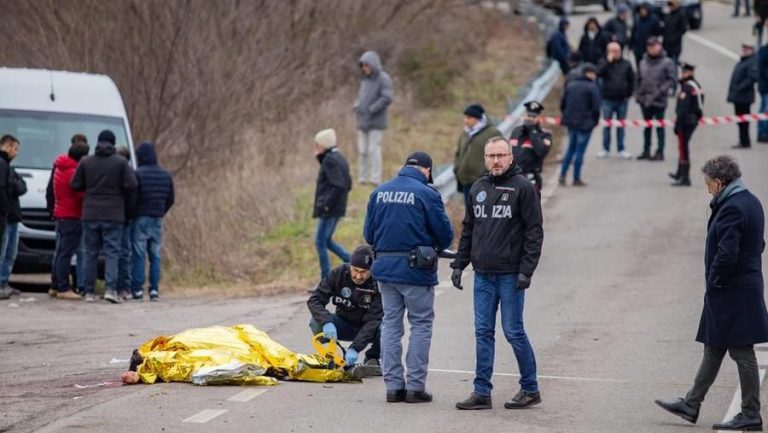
(612, 314)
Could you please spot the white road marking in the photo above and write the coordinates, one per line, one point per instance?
(735, 407)
(206, 415)
(247, 395)
(714, 46)
(439, 292)
(577, 379)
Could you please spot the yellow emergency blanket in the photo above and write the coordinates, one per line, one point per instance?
(258, 359)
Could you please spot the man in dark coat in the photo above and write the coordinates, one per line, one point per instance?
(592, 43)
(675, 26)
(468, 163)
(617, 85)
(333, 185)
(558, 48)
(617, 28)
(580, 106)
(741, 91)
(762, 88)
(106, 178)
(155, 198)
(6, 192)
(655, 77)
(646, 25)
(734, 318)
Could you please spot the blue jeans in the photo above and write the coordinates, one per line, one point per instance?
(762, 126)
(147, 239)
(492, 290)
(348, 332)
(577, 144)
(419, 301)
(105, 237)
(124, 267)
(613, 107)
(324, 242)
(8, 251)
(69, 239)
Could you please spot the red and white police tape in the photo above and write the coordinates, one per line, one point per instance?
(641, 123)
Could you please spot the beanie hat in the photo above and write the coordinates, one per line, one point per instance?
(326, 138)
(362, 257)
(475, 110)
(107, 135)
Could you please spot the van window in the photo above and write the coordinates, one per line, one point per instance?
(44, 136)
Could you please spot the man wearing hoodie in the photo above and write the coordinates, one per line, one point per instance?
(580, 106)
(373, 99)
(468, 163)
(9, 240)
(106, 178)
(558, 48)
(592, 43)
(154, 199)
(655, 78)
(67, 205)
(646, 26)
(617, 28)
(333, 185)
(675, 26)
(741, 91)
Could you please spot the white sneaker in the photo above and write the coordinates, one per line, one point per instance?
(625, 154)
(602, 154)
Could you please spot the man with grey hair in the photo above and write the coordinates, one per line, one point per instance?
(373, 99)
(502, 237)
(734, 318)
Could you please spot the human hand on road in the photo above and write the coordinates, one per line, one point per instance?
(456, 278)
(351, 358)
(523, 282)
(329, 331)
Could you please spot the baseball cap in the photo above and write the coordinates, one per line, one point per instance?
(421, 159)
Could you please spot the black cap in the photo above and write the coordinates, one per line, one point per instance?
(653, 40)
(107, 135)
(421, 159)
(687, 66)
(362, 257)
(588, 67)
(533, 107)
(475, 110)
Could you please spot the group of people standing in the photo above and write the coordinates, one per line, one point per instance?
(104, 208)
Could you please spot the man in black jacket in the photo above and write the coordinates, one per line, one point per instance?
(675, 26)
(741, 91)
(592, 43)
(531, 144)
(645, 26)
(106, 178)
(502, 237)
(617, 28)
(580, 106)
(5, 193)
(333, 185)
(690, 102)
(618, 84)
(354, 292)
(10, 240)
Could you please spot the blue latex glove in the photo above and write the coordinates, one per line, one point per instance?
(351, 357)
(329, 331)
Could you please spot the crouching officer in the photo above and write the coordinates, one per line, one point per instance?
(406, 223)
(501, 236)
(690, 102)
(355, 294)
(531, 143)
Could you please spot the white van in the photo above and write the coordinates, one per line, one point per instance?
(44, 109)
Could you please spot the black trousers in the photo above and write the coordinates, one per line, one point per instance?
(656, 113)
(744, 126)
(684, 134)
(749, 377)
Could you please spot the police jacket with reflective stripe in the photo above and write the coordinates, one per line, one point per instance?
(358, 304)
(403, 214)
(502, 230)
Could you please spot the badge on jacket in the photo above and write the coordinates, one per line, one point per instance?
(346, 292)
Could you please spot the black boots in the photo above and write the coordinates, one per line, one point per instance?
(658, 156)
(683, 174)
(418, 397)
(680, 408)
(645, 155)
(741, 423)
(475, 402)
(523, 399)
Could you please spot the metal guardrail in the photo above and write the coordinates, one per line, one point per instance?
(537, 88)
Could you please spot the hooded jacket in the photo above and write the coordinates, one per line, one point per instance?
(156, 193)
(106, 178)
(655, 77)
(559, 50)
(742, 87)
(374, 96)
(502, 229)
(642, 29)
(581, 104)
(403, 214)
(333, 185)
(67, 203)
(592, 49)
(616, 30)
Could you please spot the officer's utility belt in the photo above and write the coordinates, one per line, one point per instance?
(418, 258)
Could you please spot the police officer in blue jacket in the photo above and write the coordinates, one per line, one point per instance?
(406, 224)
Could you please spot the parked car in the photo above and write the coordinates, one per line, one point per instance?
(692, 9)
(565, 7)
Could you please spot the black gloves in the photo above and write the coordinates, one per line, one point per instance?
(456, 278)
(523, 282)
